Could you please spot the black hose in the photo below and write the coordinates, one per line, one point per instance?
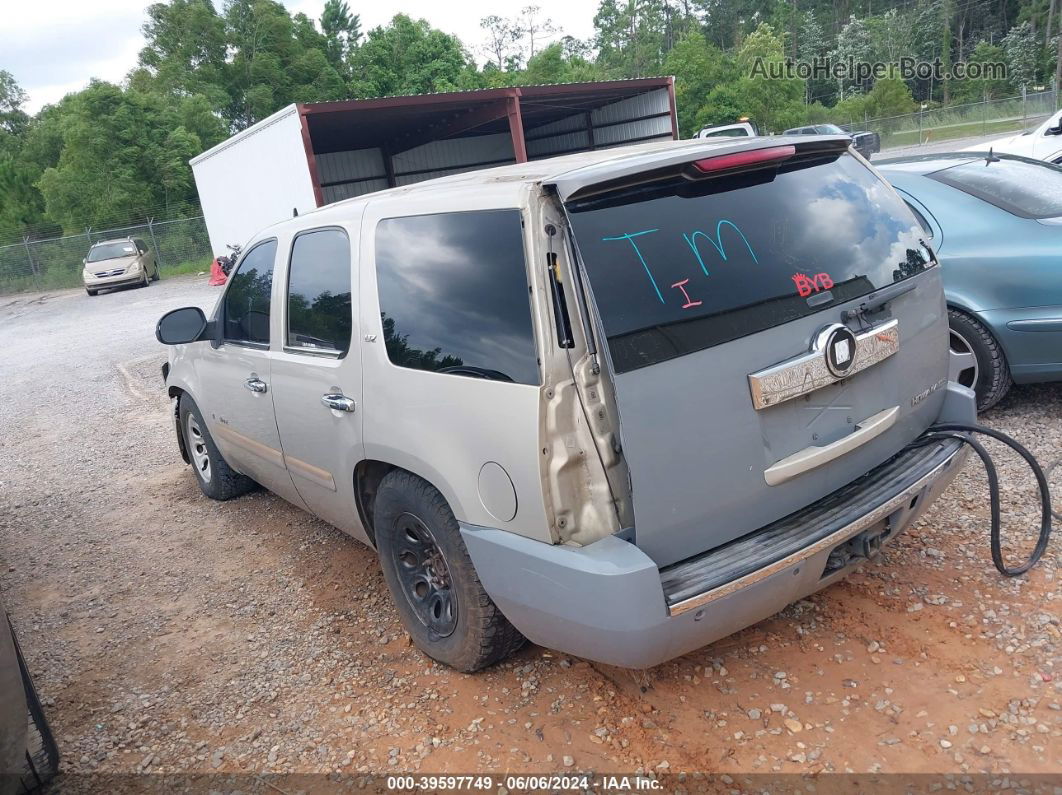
(1047, 473)
(959, 430)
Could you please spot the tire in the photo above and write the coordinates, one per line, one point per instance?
(472, 633)
(215, 477)
(156, 276)
(991, 379)
(41, 760)
(147, 280)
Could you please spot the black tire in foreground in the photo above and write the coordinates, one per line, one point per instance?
(991, 380)
(435, 587)
(215, 477)
(42, 755)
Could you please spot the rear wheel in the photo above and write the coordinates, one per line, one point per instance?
(215, 477)
(156, 276)
(977, 360)
(439, 597)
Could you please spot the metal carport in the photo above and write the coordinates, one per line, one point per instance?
(363, 145)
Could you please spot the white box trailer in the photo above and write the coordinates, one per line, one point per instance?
(306, 156)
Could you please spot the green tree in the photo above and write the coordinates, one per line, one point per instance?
(503, 36)
(408, 57)
(552, 65)
(631, 36)
(773, 104)
(890, 36)
(971, 90)
(124, 157)
(813, 48)
(342, 31)
(702, 71)
(185, 51)
(12, 118)
(853, 46)
(1021, 50)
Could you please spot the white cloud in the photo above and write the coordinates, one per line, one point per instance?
(57, 46)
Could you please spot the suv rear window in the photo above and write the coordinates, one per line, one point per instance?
(1028, 190)
(685, 266)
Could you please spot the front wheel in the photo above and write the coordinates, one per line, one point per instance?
(439, 597)
(977, 360)
(215, 477)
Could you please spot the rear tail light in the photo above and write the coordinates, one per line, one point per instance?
(736, 160)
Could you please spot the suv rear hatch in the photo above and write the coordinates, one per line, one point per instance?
(775, 328)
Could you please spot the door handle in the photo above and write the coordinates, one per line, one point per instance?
(811, 457)
(337, 401)
(256, 384)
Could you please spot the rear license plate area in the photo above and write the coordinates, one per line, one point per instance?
(861, 547)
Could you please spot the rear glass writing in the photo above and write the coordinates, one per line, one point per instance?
(678, 269)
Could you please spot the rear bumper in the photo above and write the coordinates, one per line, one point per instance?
(608, 601)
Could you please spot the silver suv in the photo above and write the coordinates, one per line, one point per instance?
(620, 403)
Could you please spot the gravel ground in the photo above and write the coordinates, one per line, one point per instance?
(171, 634)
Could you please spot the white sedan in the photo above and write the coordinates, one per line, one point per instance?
(1043, 143)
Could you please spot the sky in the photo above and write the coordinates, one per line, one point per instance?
(53, 47)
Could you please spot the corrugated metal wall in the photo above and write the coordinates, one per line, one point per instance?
(439, 158)
(364, 165)
(644, 117)
(611, 126)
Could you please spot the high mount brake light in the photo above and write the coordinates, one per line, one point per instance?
(711, 165)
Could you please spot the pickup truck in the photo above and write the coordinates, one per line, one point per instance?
(866, 143)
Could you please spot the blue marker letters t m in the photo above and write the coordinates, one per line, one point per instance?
(630, 238)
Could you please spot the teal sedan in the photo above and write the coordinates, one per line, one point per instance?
(995, 222)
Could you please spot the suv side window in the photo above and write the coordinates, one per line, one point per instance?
(454, 295)
(246, 309)
(319, 294)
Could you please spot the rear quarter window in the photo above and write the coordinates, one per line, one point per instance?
(1028, 190)
(454, 295)
(686, 266)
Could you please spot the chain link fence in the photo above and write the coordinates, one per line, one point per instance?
(181, 246)
(991, 117)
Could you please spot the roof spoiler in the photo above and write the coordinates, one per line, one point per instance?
(691, 162)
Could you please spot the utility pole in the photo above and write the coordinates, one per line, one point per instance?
(154, 242)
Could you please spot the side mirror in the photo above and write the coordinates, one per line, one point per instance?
(1056, 130)
(181, 326)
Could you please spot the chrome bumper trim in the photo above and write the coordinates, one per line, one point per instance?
(846, 532)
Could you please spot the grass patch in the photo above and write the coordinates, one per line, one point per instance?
(64, 279)
(951, 131)
(185, 267)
